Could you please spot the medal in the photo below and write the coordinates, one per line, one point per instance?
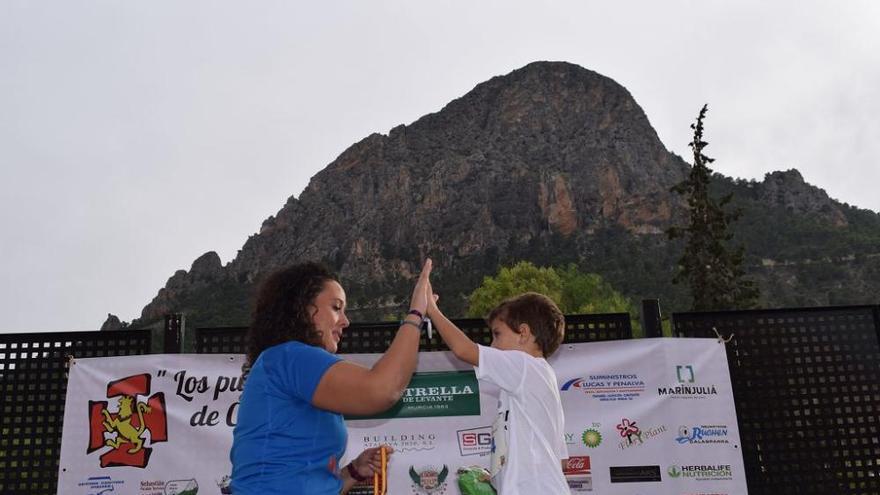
(380, 479)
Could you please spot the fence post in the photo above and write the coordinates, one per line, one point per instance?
(877, 322)
(651, 318)
(173, 333)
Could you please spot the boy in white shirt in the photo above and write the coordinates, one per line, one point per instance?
(528, 437)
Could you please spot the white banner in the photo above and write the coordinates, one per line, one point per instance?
(642, 416)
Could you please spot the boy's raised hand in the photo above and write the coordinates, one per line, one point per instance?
(432, 300)
(459, 343)
(420, 297)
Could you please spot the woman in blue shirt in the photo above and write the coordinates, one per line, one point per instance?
(290, 433)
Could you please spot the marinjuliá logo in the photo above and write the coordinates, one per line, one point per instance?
(124, 429)
(687, 388)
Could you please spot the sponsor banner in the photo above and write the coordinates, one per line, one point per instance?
(649, 413)
(149, 425)
(162, 424)
(432, 394)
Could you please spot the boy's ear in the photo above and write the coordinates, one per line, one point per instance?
(525, 333)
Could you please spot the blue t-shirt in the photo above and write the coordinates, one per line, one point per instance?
(282, 444)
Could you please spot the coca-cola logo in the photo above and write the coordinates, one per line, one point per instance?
(577, 465)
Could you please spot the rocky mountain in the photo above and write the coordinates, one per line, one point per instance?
(551, 163)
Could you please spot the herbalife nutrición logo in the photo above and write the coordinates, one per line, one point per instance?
(710, 472)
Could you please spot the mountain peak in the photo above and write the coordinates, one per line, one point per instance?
(551, 163)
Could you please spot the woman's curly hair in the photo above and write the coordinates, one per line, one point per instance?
(281, 312)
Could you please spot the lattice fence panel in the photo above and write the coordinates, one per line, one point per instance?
(807, 390)
(376, 337)
(33, 386)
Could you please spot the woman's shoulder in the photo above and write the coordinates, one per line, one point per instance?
(293, 348)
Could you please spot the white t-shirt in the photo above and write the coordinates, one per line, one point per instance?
(529, 439)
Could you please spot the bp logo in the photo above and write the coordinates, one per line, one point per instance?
(428, 480)
(123, 431)
(591, 438)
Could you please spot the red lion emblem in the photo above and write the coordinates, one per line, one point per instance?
(126, 426)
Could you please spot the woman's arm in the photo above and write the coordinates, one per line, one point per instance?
(349, 388)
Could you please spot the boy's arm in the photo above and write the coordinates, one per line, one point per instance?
(459, 343)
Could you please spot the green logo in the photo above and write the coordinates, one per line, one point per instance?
(591, 438)
(431, 394)
(673, 472)
(182, 487)
(684, 373)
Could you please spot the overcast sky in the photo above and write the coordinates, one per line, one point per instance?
(136, 136)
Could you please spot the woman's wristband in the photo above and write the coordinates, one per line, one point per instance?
(354, 473)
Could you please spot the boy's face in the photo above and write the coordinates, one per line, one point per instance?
(503, 337)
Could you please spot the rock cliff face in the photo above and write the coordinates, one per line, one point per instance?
(551, 147)
(551, 162)
(788, 190)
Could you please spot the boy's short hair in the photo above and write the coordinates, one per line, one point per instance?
(537, 311)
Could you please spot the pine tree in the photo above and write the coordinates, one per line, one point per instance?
(712, 271)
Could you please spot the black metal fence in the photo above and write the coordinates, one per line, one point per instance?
(805, 383)
(807, 395)
(33, 387)
(33, 378)
(376, 337)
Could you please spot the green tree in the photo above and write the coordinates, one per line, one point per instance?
(512, 281)
(713, 272)
(572, 290)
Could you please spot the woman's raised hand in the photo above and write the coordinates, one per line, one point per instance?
(420, 295)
